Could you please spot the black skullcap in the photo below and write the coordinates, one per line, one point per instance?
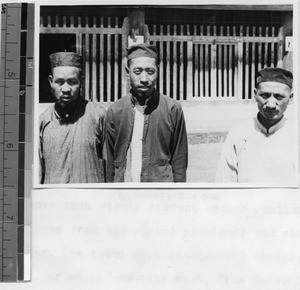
(65, 59)
(142, 50)
(272, 74)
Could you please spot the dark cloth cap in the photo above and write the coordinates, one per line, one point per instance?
(271, 74)
(142, 50)
(65, 59)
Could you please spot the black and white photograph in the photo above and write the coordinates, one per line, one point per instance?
(197, 95)
(165, 145)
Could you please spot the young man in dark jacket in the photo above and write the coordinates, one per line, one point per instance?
(146, 132)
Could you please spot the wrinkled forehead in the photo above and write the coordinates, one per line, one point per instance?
(143, 62)
(273, 87)
(66, 72)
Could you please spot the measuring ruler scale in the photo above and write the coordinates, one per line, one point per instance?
(16, 100)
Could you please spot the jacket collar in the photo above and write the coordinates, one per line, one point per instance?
(150, 104)
(272, 129)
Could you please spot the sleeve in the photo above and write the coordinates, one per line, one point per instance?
(41, 157)
(227, 170)
(179, 160)
(110, 145)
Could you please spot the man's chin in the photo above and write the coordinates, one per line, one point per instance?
(65, 104)
(271, 117)
(145, 93)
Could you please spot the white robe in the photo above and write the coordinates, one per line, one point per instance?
(253, 154)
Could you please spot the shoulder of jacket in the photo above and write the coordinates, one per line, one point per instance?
(173, 104)
(46, 115)
(97, 108)
(119, 104)
(241, 129)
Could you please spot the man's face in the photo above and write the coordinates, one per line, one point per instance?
(272, 99)
(142, 72)
(65, 83)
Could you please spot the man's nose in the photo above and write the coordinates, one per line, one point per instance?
(272, 102)
(144, 78)
(65, 87)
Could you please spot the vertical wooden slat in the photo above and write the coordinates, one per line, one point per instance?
(247, 66)
(266, 49)
(175, 65)
(49, 21)
(64, 21)
(196, 66)
(259, 50)
(41, 21)
(240, 65)
(181, 75)
(213, 72)
(189, 72)
(155, 44)
(220, 58)
(116, 57)
(235, 65)
(273, 48)
(161, 67)
(79, 38)
(225, 70)
(206, 72)
(101, 62)
(87, 63)
(230, 85)
(56, 21)
(168, 71)
(154, 33)
(125, 81)
(94, 64)
(280, 47)
(201, 73)
(109, 65)
(72, 21)
(252, 64)
(199, 84)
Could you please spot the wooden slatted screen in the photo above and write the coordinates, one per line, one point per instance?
(101, 48)
(197, 62)
(214, 62)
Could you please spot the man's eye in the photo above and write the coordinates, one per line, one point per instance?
(60, 82)
(265, 96)
(137, 72)
(72, 82)
(151, 71)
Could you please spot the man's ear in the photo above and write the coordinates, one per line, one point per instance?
(291, 96)
(255, 93)
(50, 79)
(127, 71)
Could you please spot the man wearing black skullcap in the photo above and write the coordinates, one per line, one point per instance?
(72, 131)
(146, 133)
(262, 150)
